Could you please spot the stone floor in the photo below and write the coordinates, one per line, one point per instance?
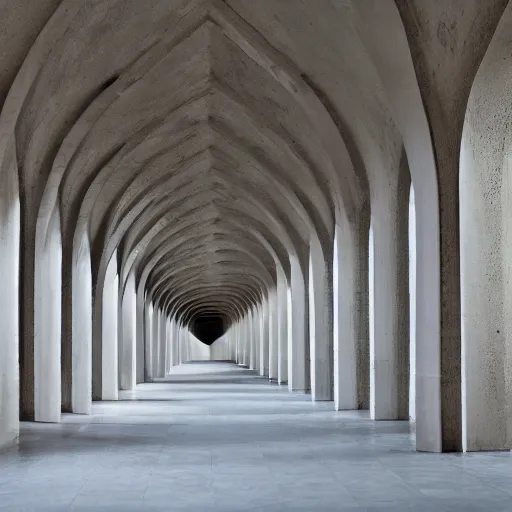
(214, 437)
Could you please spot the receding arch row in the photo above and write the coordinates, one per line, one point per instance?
(101, 194)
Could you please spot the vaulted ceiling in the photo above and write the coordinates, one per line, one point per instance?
(201, 141)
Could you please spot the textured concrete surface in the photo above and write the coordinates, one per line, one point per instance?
(207, 158)
(486, 242)
(220, 438)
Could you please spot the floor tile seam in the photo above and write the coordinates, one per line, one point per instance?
(81, 487)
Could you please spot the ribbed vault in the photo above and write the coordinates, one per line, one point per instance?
(170, 165)
(195, 137)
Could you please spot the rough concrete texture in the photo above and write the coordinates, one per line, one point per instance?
(165, 162)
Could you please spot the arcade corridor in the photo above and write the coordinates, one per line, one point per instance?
(214, 436)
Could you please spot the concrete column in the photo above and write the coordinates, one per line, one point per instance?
(412, 307)
(232, 345)
(167, 347)
(234, 328)
(253, 337)
(257, 335)
(246, 341)
(148, 339)
(229, 336)
(181, 344)
(170, 341)
(155, 337)
(184, 344)
(162, 356)
(140, 324)
(9, 298)
(297, 318)
(109, 336)
(47, 322)
(176, 343)
(389, 341)
(282, 306)
(486, 252)
(348, 289)
(81, 357)
(273, 335)
(320, 324)
(238, 342)
(264, 337)
(127, 338)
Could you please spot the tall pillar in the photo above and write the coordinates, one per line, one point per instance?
(273, 335)
(47, 323)
(264, 328)
(297, 318)
(172, 348)
(252, 337)
(239, 342)
(348, 291)
(155, 338)
(10, 299)
(175, 342)
(140, 324)
(162, 346)
(127, 331)
(148, 339)
(246, 341)
(389, 341)
(320, 324)
(109, 336)
(282, 306)
(181, 344)
(81, 357)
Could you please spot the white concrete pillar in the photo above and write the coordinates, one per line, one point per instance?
(297, 318)
(128, 335)
(232, 342)
(148, 339)
(140, 324)
(256, 315)
(252, 338)
(282, 307)
(9, 298)
(264, 336)
(320, 324)
(234, 329)
(246, 341)
(47, 323)
(81, 383)
(412, 307)
(345, 314)
(176, 352)
(486, 254)
(155, 337)
(170, 341)
(167, 366)
(389, 347)
(238, 331)
(184, 344)
(162, 346)
(109, 335)
(273, 335)
(181, 344)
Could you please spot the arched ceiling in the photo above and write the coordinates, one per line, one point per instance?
(201, 141)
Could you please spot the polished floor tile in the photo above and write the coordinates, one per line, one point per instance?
(215, 437)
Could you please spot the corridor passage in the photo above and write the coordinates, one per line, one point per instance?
(216, 437)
